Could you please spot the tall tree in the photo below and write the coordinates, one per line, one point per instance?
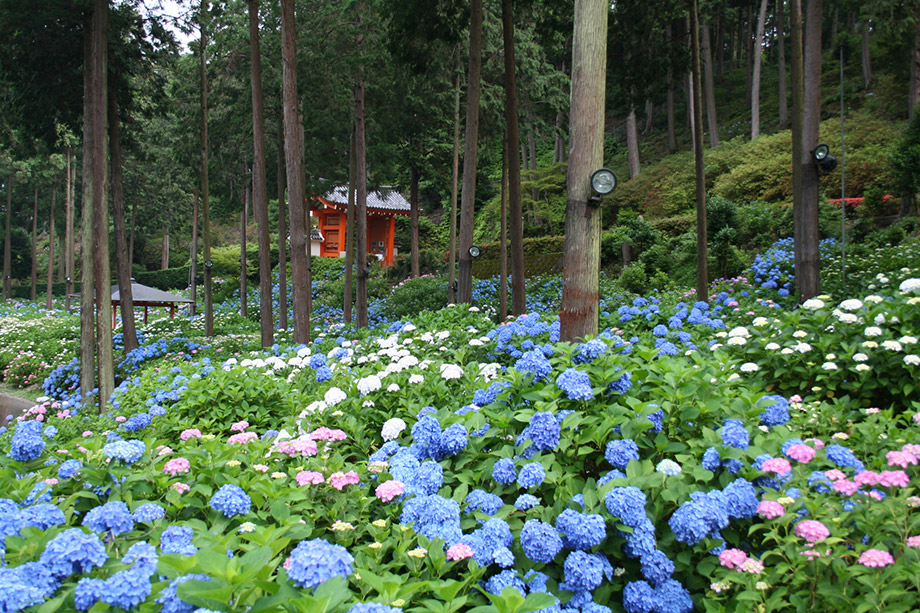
(781, 63)
(696, 102)
(360, 192)
(632, 144)
(755, 82)
(34, 275)
(581, 262)
(708, 85)
(470, 155)
(204, 9)
(282, 235)
(7, 237)
(50, 274)
(513, 163)
(293, 153)
(455, 177)
(259, 190)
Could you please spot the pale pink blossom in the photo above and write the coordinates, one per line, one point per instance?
(875, 494)
(388, 490)
(87, 433)
(461, 551)
(811, 530)
(875, 558)
(326, 434)
(811, 553)
(63, 414)
(913, 541)
(287, 563)
(310, 477)
(752, 566)
(816, 443)
(51, 481)
(239, 426)
(835, 474)
(893, 478)
(845, 487)
(164, 451)
(795, 398)
(780, 466)
(339, 480)
(297, 447)
(801, 453)
(176, 466)
(770, 509)
(262, 468)
(242, 438)
(732, 558)
(899, 458)
(180, 487)
(866, 477)
(190, 433)
(121, 418)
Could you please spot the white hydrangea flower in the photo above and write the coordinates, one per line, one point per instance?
(851, 305)
(416, 378)
(369, 384)
(739, 331)
(802, 347)
(860, 357)
(813, 304)
(862, 367)
(409, 328)
(715, 346)
(392, 428)
(829, 366)
(442, 335)
(333, 396)
(892, 345)
(451, 371)
(317, 406)
(426, 337)
(393, 387)
(799, 334)
(772, 346)
(909, 285)
(873, 331)
(879, 319)
(367, 404)
(733, 376)
(912, 359)
(847, 318)
(908, 340)
(475, 342)
(737, 340)
(787, 350)
(874, 299)
(474, 309)
(749, 367)
(303, 352)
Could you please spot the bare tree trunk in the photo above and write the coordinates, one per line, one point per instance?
(581, 261)
(413, 221)
(808, 265)
(532, 149)
(164, 252)
(205, 188)
(649, 116)
(632, 144)
(244, 306)
(259, 187)
(559, 152)
(293, 153)
(672, 135)
(193, 258)
(914, 96)
(503, 239)
(50, 277)
(361, 205)
(518, 301)
(7, 256)
(755, 83)
(34, 243)
(87, 287)
(748, 55)
(282, 236)
(781, 61)
(702, 253)
(122, 269)
(720, 47)
(866, 59)
(709, 87)
(350, 233)
(470, 155)
(68, 228)
(455, 177)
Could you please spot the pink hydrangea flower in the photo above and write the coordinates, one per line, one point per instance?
(913, 541)
(752, 566)
(893, 478)
(866, 477)
(287, 563)
(87, 433)
(916, 417)
(816, 443)
(190, 433)
(780, 466)
(239, 426)
(63, 414)
(459, 551)
(164, 451)
(51, 481)
(262, 468)
(309, 477)
(801, 453)
(835, 474)
(795, 398)
(176, 466)
(811, 530)
(242, 438)
(297, 447)
(326, 434)
(180, 487)
(875, 494)
(732, 558)
(770, 509)
(846, 487)
(811, 553)
(875, 558)
(388, 490)
(900, 458)
(912, 449)
(339, 480)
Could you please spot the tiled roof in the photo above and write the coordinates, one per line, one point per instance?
(385, 198)
(143, 293)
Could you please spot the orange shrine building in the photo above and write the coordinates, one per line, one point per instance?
(383, 206)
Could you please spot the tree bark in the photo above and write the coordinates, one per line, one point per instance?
(348, 298)
(470, 155)
(914, 95)
(797, 64)
(632, 144)
(87, 304)
(455, 178)
(672, 134)
(205, 187)
(259, 187)
(581, 261)
(122, 268)
(702, 253)
(781, 62)
(50, 277)
(865, 57)
(755, 82)
(70, 169)
(709, 87)
(7, 234)
(807, 264)
(748, 55)
(503, 236)
(164, 252)
(293, 153)
(282, 236)
(34, 276)
(193, 258)
(413, 220)
(360, 205)
(244, 306)
(649, 116)
(516, 213)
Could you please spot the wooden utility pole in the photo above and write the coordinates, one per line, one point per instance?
(581, 262)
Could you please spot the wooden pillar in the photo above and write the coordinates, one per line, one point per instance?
(391, 239)
(145, 314)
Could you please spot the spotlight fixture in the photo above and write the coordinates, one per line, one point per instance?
(822, 155)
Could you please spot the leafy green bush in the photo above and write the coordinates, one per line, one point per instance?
(721, 213)
(169, 278)
(412, 296)
(633, 279)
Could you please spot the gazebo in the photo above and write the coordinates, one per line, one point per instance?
(145, 296)
(382, 207)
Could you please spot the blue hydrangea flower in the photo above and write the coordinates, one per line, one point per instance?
(776, 412)
(316, 561)
(88, 593)
(503, 557)
(427, 480)
(819, 482)
(142, 556)
(426, 431)
(534, 362)
(531, 475)
(69, 468)
(639, 597)
(580, 530)
(452, 441)
(667, 348)
(585, 571)
(627, 503)
(373, 607)
(540, 541)
(128, 452)
(642, 540)
(169, 598)
(544, 431)
(674, 597)
(506, 578)
(27, 443)
(740, 499)
(480, 500)
(526, 502)
(489, 538)
(589, 351)
(137, 422)
(656, 567)
(843, 457)
(111, 517)
(433, 516)
(699, 517)
(734, 434)
(620, 385)
(73, 552)
(620, 452)
(323, 374)
(178, 539)
(711, 459)
(504, 472)
(149, 512)
(24, 586)
(231, 500)
(127, 588)
(576, 384)
(42, 516)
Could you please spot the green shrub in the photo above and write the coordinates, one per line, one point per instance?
(721, 213)
(633, 279)
(169, 278)
(412, 296)
(612, 245)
